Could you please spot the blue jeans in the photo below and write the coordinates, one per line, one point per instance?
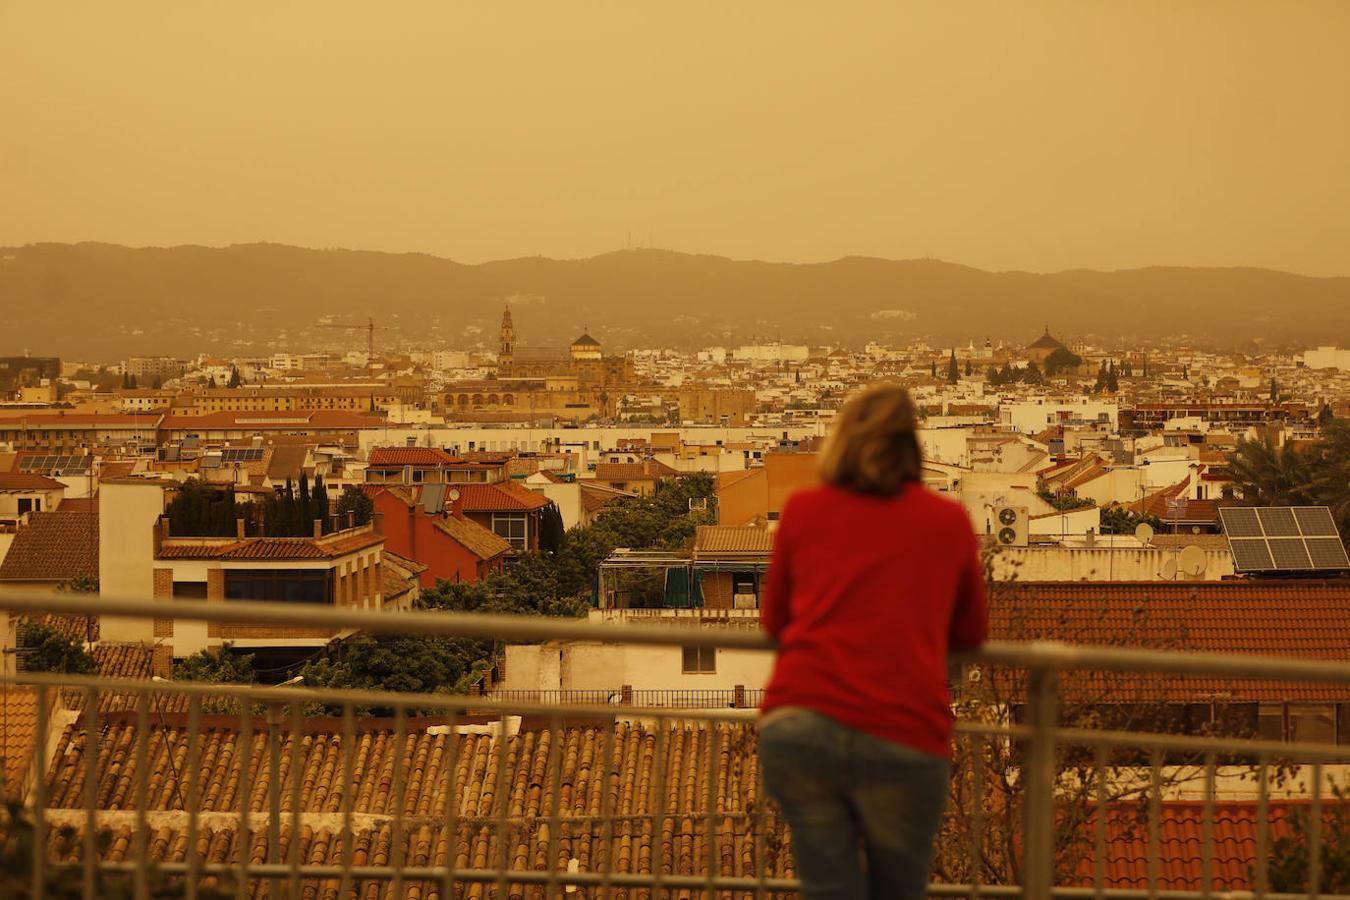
(863, 810)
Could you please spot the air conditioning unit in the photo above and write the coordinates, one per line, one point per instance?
(1011, 527)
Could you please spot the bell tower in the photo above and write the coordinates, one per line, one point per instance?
(507, 351)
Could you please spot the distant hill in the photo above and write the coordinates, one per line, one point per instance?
(104, 302)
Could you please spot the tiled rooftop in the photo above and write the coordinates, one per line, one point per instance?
(53, 546)
(481, 542)
(410, 456)
(732, 539)
(1299, 619)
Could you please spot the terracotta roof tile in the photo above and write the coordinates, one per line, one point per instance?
(410, 456)
(19, 714)
(732, 539)
(1297, 619)
(28, 481)
(499, 496)
(647, 470)
(53, 546)
(598, 496)
(329, 547)
(481, 542)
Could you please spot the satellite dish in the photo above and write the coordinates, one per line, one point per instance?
(1143, 532)
(1192, 560)
(1169, 570)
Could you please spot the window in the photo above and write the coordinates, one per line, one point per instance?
(512, 527)
(284, 585)
(700, 660)
(28, 504)
(189, 590)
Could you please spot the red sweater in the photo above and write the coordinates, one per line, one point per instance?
(865, 596)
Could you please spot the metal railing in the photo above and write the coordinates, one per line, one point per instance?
(246, 790)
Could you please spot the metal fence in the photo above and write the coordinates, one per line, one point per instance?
(155, 788)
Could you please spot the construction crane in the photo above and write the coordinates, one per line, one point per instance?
(369, 329)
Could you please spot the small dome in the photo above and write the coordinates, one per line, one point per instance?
(1045, 342)
(585, 341)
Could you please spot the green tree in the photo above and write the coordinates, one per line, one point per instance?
(1325, 416)
(551, 530)
(1112, 382)
(357, 502)
(1121, 520)
(1032, 374)
(1288, 869)
(407, 664)
(932, 369)
(79, 584)
(218, 665)
(42, 648)
(1062, 360)
(1269, 475)
(970, 368)
(235, 380)
(202, 510)
(320, 503)
(953, 370)
(304, 504)
(1274, 390)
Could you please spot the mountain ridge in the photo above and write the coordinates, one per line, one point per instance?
(102, 301)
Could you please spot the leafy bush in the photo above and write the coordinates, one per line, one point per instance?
(44, 649)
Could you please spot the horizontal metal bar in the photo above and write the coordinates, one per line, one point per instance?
(627, 879)
(1035, 655)
(1157, 741)
(437, 873)
(335, 697)
(422, 622)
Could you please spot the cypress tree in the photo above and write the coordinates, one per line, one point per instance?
(953, 370)
(305, 505)
(320, 502)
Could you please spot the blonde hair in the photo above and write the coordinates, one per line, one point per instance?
(874, 446)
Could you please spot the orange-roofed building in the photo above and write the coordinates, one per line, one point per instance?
(758, 495)
(427, 524)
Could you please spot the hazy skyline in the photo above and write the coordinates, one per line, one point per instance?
(1040, 136)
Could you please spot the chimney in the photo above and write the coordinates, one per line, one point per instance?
(239, 528)
(377, 521)
(1090, 539)
(456, 504)
(163, 527)
(318, 527)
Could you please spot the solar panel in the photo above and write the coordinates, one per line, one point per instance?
(241, 454)
(1251, 555)
(1284, 539)
(1315, 520)
(1289, 553)
(1240, 522)
(1327, 553)
(67, 464)
(1278, 521)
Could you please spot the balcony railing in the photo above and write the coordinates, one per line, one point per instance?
(152, 788)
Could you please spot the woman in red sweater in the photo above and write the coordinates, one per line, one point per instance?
(874, 580)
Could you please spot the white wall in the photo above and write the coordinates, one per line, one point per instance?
(591, 666)
(1125, 563)
(126, 521)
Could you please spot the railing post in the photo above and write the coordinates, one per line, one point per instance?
(1038, 864)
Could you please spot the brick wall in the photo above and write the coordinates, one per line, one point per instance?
(163, 582)
(161, 660)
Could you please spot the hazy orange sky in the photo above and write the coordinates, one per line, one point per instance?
(999, 134)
